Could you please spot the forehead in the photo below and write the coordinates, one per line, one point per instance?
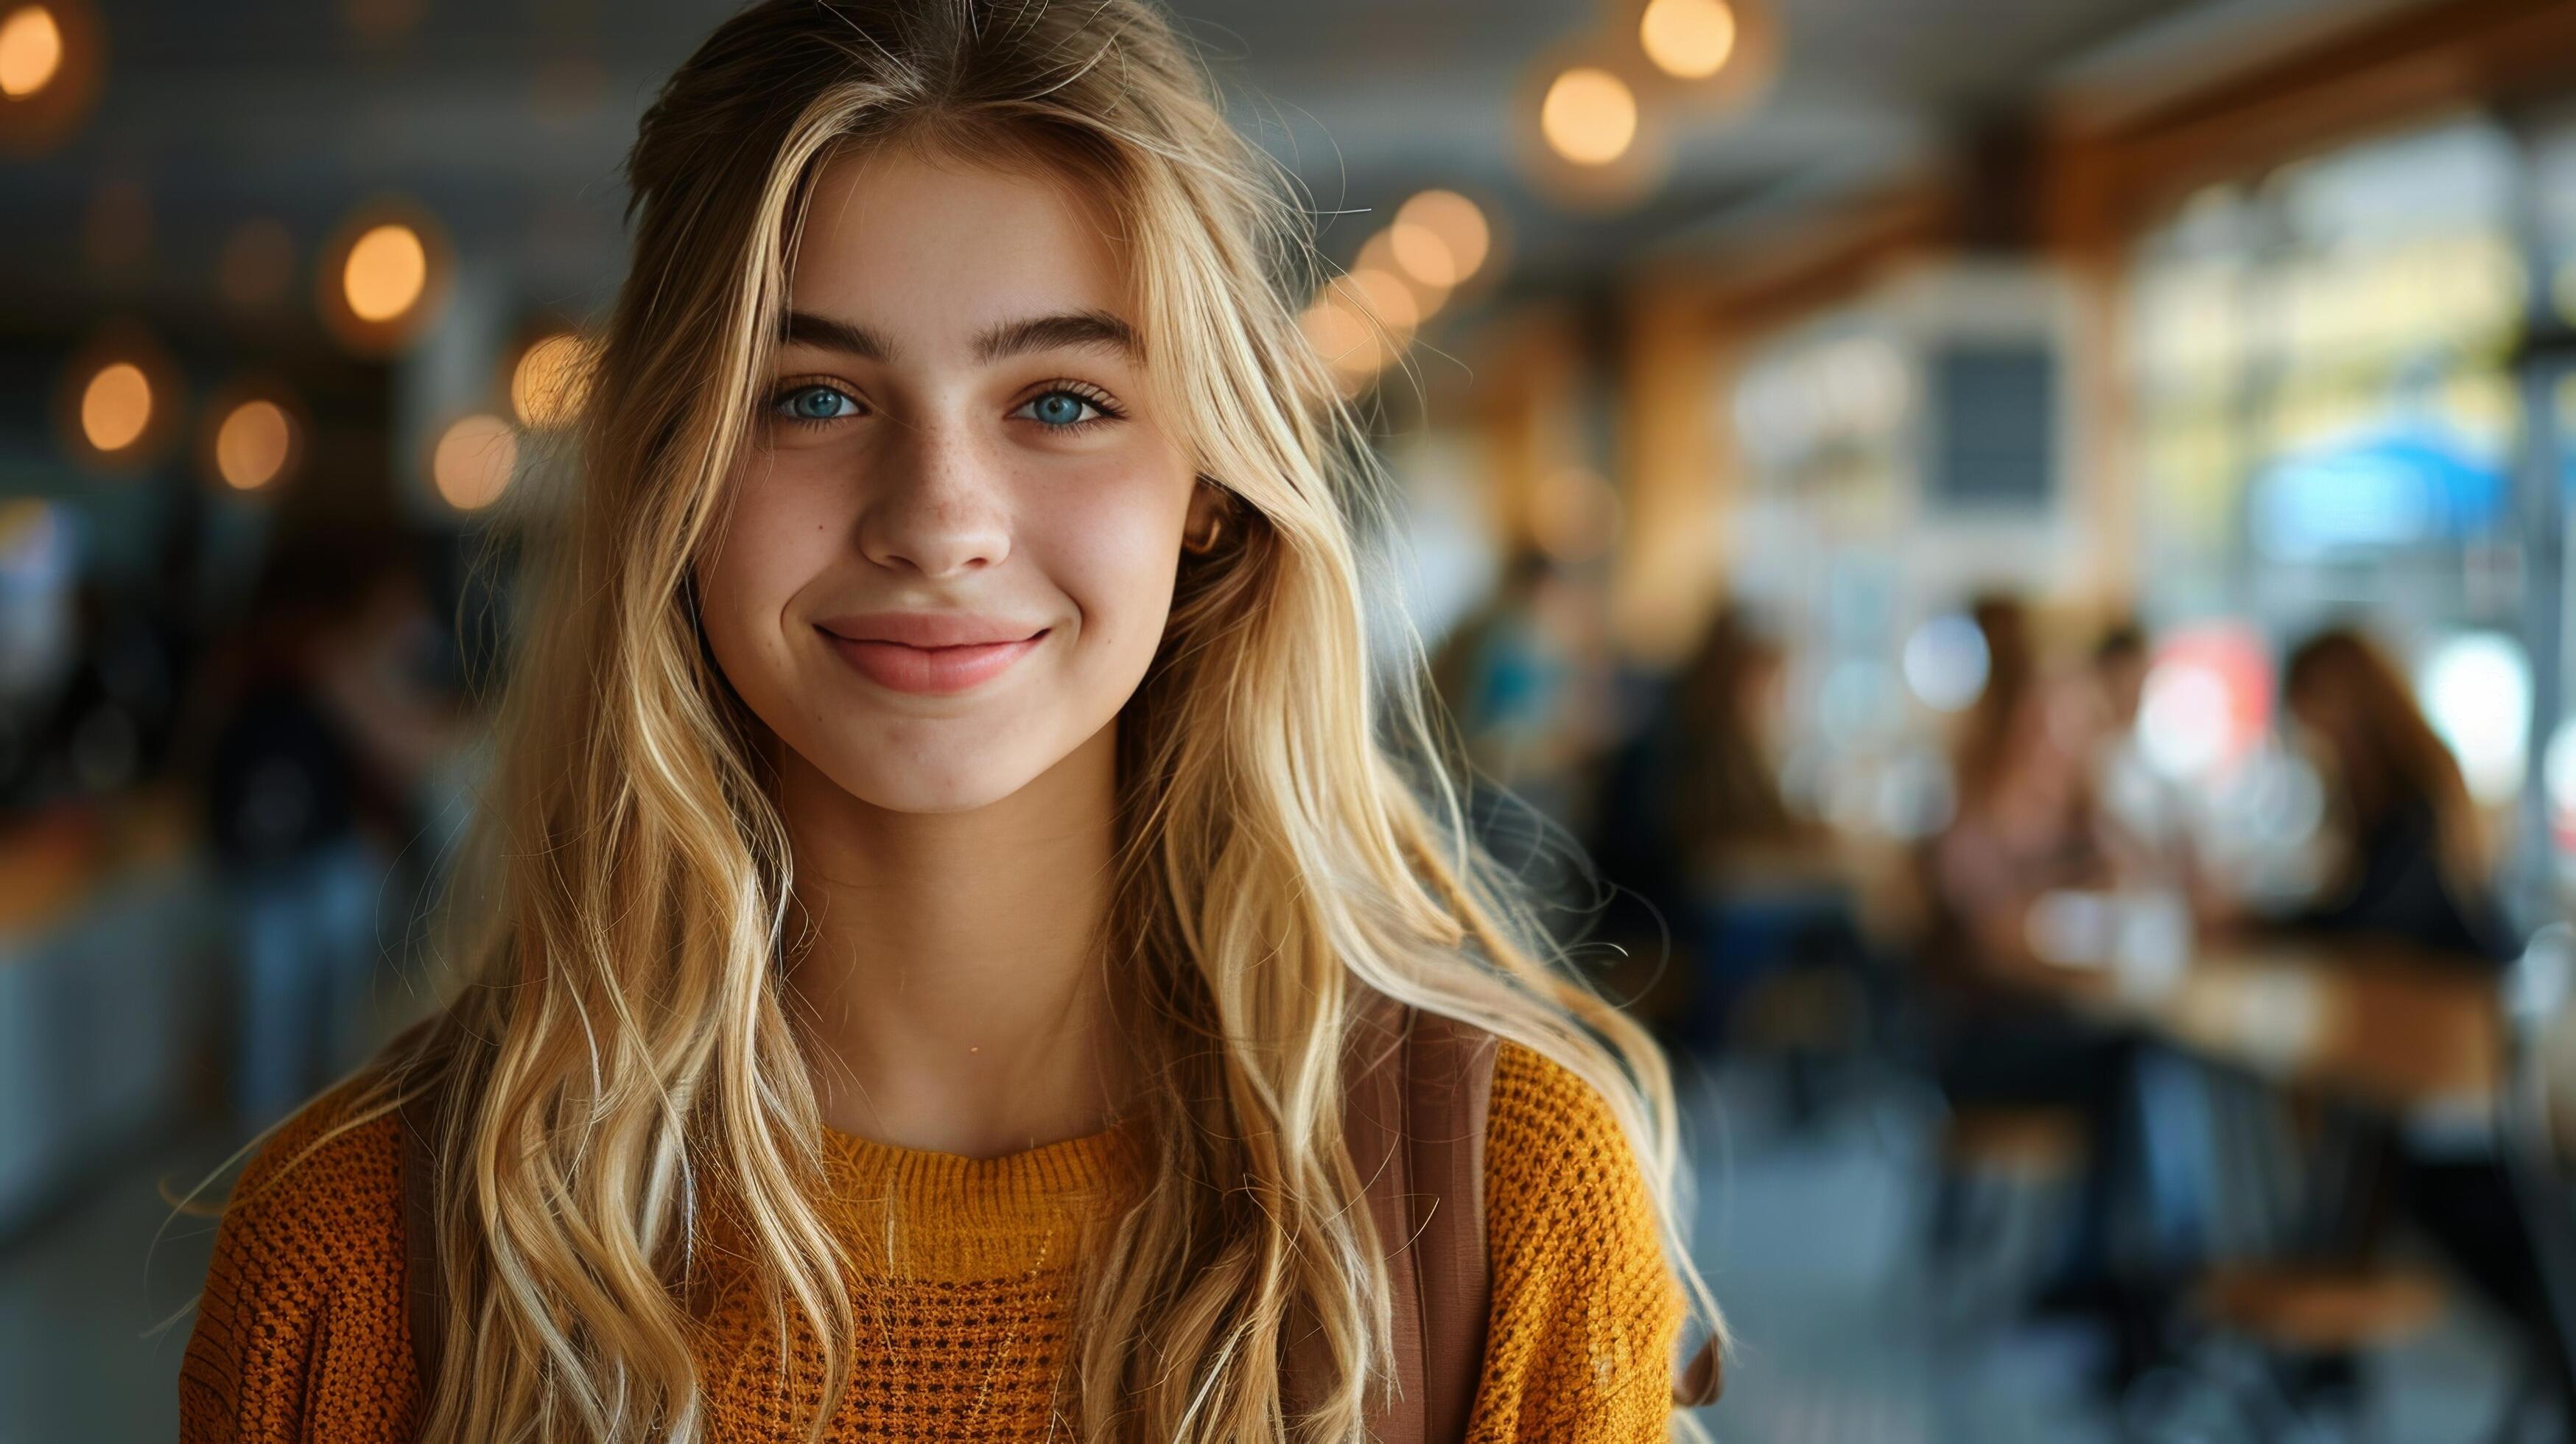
(933, 250)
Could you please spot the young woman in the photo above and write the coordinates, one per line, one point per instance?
(2415, 862)
(944, 831)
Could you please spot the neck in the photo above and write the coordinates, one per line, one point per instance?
(948, 973)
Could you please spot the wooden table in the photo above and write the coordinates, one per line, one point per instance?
(2315, 1055)
(2389, 1026)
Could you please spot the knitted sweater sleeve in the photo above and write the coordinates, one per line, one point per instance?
(1586, 1314)
(300, 1332)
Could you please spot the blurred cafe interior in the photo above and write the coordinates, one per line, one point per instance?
(2002, 562)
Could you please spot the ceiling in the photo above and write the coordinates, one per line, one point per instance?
(508, 118)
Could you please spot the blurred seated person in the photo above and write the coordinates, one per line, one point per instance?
(2416, 870)
(2024, 826)
(2025, 822)
(2144, 815)
(1729, 820)
(2415, 864)
(1761, 886)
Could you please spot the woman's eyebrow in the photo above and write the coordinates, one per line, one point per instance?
(1073, 328)
(830, 335)
(1099, 329)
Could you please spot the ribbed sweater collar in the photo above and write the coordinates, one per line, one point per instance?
(920, 1213)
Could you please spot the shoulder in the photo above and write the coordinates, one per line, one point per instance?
(1586, 1312)
(1536, 1088)
(1553, 1143)
(329, 1178)
(307, 1276)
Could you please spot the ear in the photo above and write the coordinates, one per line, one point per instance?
(1206, 499)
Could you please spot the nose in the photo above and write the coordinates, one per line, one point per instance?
(935, 504)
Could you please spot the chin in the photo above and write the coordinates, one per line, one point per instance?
(936, 783)
(925, 796)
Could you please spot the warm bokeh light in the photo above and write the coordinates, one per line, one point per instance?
(1383, 295)
(51, 64)
(1589, 116)
(257, 267)
(382, 277)
(1440, 238)
(551, 381)
(1379, 255)
(473, 462)
(1422, 256)
(31, 51)
(1345, 338)
(1359, 323)
(1688, 39)
(1335, 330)
(116, 406)
(386, 272)
(253, 444)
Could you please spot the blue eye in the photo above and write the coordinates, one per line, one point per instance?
(1063, 410)
(817, 403)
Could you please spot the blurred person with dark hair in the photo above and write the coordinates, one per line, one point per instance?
(2143, 815)
(1728, 810)
(2416, 869)
(2120, 660)
(1761, 884)
(2415, 865)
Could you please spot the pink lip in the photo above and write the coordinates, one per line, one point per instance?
(930, 653)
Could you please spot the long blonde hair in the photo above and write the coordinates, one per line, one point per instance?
(621, 1060)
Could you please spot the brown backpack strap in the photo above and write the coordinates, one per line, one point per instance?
(420, 1248)
(1433, 1076)
(1452, 1081)
(1414, 1120)
(417, 1120)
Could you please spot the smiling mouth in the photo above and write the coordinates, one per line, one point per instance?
(932, 671)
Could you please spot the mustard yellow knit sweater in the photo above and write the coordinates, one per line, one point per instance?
(302, 1335)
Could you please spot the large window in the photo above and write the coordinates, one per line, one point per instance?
(2349, 377)
(2323, 370)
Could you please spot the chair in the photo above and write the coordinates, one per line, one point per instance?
(2278, 1336)
(2003, 1171)
(2295, 1288)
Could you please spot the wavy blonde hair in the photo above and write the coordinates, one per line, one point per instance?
(622, 1058)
